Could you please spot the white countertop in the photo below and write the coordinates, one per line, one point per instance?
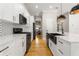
(8, 38)
(70, 37)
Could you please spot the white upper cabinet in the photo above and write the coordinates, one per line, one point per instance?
(18, 9)
(16, 14)
(6, 11)
(10, 12)
(74, 23)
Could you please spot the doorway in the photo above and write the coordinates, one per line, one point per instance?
(38, 25)
(34, 31)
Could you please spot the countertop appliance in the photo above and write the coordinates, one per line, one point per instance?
(22, 19)
(17, 30)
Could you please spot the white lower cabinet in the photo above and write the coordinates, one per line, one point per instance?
(52, 47)
(62, 48)
(20, 44)
(17, 47)
(23, 44)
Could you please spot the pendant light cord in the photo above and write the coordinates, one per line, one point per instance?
(61, 8)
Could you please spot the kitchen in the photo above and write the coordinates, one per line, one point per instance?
(15, 29)
(59, 28)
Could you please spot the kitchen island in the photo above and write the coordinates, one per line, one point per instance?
(67, 45)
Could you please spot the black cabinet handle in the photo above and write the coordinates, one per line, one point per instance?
(60, 42)
(4, 49)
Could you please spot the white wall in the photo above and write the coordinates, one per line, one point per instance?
(66, 23)
(49, 22)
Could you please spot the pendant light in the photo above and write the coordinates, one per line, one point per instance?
(61, 16)
(61, 20)
(75, 9)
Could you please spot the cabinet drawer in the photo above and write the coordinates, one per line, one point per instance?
(52, 47)
(63, 47)
(62, 43)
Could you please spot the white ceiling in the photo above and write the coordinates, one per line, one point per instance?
(66, 7)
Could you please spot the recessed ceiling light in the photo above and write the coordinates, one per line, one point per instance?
(36, 6)
(50, 6)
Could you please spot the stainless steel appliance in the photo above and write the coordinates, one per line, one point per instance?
(22, 19)
(52, 37)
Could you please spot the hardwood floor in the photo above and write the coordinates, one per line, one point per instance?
(39, 48)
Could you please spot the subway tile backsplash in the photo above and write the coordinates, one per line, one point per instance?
(6, 28)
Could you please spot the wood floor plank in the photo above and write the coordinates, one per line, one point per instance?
(39, 48)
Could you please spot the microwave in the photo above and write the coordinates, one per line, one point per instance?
(22, 19)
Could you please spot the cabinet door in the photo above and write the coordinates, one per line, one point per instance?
(63, 47)
(50, 44)
(73, 23)
(23, 43)
(7, 12)
(23, 47)
(16, 15)
(20, 52)
(17, 11)
(16, 48)
(52, 47)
